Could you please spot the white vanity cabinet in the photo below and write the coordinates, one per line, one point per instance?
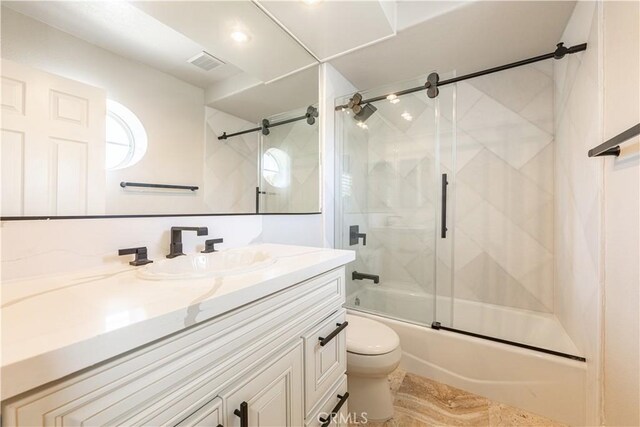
(261, 364)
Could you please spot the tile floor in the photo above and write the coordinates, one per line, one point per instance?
(421, 402)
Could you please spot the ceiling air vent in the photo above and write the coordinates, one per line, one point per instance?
(205, 61)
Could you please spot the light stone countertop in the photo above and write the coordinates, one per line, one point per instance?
(54, 326)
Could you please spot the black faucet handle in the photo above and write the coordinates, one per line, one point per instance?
(355, 235)
(140, 253)
(209, 245)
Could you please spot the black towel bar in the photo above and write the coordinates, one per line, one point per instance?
(612, 146)
(125, 184)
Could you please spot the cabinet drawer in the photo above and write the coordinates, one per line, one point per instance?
(325, 353)
(335, 400)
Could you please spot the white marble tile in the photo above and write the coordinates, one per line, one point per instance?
(539, 225)
(510, 136)
(484, 280)
(540, 169)
(514, 88)
(508, 245)
(540, 110)
(496, 182)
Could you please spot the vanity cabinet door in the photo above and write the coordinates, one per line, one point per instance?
(271, 396)
(326, 358)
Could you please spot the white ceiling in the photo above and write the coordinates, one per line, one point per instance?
(127, 31)
(371, 42)
(255, 103)
(331, 28)
(413, 12)
(473, 37)
(269, 54)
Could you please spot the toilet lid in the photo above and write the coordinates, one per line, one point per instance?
(366, 336)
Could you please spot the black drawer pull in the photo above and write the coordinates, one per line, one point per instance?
(326, 421)
(332, 335)
(243, 413)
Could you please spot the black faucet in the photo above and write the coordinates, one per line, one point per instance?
(140, 253)
(355, 235)
(209, 245)
(359, 276)
(175, 248)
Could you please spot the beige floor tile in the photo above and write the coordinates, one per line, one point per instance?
(501, 415)
(395, 379)
(421, 402)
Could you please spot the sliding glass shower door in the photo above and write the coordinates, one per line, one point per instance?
(389, 198)
(455, 197)
(289, 166)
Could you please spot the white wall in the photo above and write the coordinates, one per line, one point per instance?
(170, 109)
(35, 248)
(332, 85)
(622, 219)
(578, 190)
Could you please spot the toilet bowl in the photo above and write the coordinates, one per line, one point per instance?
(373, 352)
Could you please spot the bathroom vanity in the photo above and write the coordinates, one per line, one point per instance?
(263, 347)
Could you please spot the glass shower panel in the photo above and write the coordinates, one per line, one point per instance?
(388, 187)
(502, 228)
(290, 166)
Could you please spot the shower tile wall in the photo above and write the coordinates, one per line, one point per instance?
(504, 188)
(231, 165)
(504, 165)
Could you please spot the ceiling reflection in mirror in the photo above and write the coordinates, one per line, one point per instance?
(117, 108)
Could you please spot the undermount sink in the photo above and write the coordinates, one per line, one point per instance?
(215, 264)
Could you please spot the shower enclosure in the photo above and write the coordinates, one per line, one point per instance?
(289, 166)
(449, 201)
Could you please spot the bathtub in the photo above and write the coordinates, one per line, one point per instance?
(545, 384)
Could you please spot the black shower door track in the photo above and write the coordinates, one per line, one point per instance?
(438, 326)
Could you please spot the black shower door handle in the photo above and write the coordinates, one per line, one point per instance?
(443, 220)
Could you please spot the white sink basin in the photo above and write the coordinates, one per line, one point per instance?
(215, 264)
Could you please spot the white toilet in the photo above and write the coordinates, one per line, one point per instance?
(373, 352)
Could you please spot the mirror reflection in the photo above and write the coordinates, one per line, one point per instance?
(121, 108)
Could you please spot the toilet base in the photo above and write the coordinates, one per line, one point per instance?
(370, 396)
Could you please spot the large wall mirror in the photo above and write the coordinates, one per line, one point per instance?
(155, 108)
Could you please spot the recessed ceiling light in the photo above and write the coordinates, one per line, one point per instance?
(408, 117)
(239, 36)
